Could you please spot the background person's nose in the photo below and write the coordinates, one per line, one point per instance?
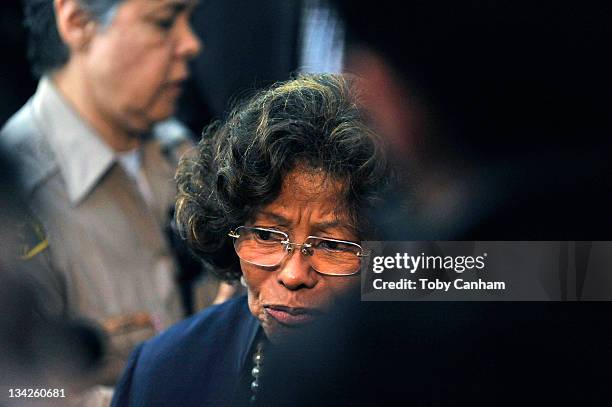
(296, 273)
(189, 45)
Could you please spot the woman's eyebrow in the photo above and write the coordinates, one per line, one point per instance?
(336, 225)
(281, 220)
(175, 6)
(328, 225)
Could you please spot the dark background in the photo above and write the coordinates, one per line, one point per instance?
(16, 80)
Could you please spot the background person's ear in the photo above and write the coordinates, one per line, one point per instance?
(75, 25)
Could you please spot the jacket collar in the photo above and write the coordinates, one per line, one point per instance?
(81, 155)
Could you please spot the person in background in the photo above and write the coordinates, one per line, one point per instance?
(94, 168)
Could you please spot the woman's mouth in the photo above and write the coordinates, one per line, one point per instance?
(291, 316)
(174, 88)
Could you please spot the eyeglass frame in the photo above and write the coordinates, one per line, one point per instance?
(289, 246)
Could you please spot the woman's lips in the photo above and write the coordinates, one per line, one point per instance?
(291, 316)
(174, 88)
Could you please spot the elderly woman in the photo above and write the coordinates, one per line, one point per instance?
(276, 198)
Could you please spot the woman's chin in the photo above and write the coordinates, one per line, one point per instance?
(280, 333)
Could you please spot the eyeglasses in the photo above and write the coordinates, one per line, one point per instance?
(268, 248)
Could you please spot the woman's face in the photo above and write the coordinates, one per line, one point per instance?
(134, 68)
(292, 294)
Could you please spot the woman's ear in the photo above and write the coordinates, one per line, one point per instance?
(75, 26)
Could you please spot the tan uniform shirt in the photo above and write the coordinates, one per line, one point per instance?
(110, 260)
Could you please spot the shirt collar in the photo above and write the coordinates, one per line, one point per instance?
(82, 156)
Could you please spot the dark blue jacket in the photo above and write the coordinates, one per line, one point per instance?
(197, 362)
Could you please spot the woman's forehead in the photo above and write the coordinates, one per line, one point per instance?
(310, 196)
(312, 184)
(313, 193)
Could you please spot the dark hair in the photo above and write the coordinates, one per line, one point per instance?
(312, 121)
(46, 50)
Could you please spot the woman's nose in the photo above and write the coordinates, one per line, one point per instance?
(295, 272)
(189, 45)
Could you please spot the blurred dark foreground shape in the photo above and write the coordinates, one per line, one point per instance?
(496, 112)
(445, 354)
(36, 350)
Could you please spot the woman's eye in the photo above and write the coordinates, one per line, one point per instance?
(262, 234)
(328, 245)
(267, 236)
(165, 23)
(337, 247)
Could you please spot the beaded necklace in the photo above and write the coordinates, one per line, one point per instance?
(256, 372)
